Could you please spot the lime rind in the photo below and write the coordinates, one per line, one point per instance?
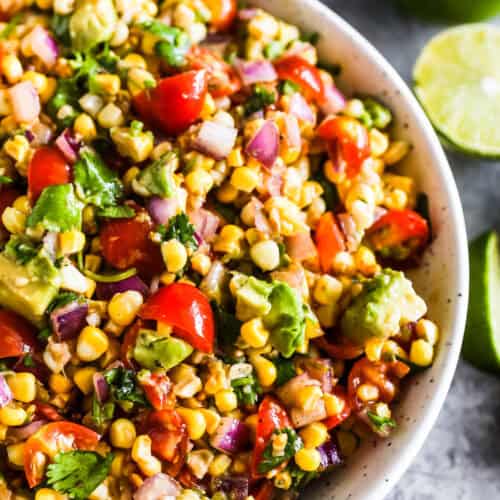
(457, 81)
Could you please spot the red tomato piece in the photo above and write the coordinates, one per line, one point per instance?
(223, 13)
(329, 240)
(158, 389)
(169, 438)
(175, 103)
(187, 310)
(50, 440)
(339, 351)
(335, 420)
(47, 167)
(125, 243)
(348, 142)
(399, 234)
(16, 334)
(46, 411)
(271, 417)
(265, 491)
(304, 74)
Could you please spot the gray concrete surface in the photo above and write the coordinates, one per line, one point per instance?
(460, 460)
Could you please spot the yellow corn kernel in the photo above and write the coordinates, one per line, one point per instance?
(141, 454)
(227, 193)
(85, 127)
(71, 242)
(327, 290)
(365, 261)
(12, 68)
(354, 108)
(265, 254)
(396, 152)
(245, 179)
(307, 397)
(47, 493)
(240, 464)
(201, 263)
(138, 79)
(374, 348)
(348, 442)
(283, 480)
(368, 392)
(22, 203)
(208, 107)
(254, 333)
(133, 60)
(129, 176)
(17, 148)
(5, 104)
(23, 386)
(333, 404)
(92, 262)
(235, 158)
(314, 435)
(220, 464)
(308, 459)
(15, 454)
(44, 5)
(118, 464)
(14, 220)
(195, 422)
(107, 83)
(174, 255)
(421, 352)
(59, 383)
(12, 416)
(92, 343)
(343, 263)
(226, 400)
(83, 379)
(379, 142)
(230, 239)
(199, 182)
(3, 432)
(49, 90)
(427, 330)
(123, 307)
(38, 80)
(265, 369)
(212, 419)
(122, 433)
(110, 116)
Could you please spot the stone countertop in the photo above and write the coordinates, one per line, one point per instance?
(459, 460)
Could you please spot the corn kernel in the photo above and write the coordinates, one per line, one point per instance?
(308, 397)
(138, 79)
(201, 263)
(396, 152)
(174, 255)
(85, 127)
(208, 107)
(141, 454)
(343, 263)
(123, 307)
(92, 343)
(235, 158)
(12, 416)
(230, 239)
(195, 422)
(308, 459)
(283, 480)
(226, 400)
(327, 290)
(220, 464)
(427, 330)
(122, 433)
(110, 116)
(365, 261)
(59, 383)
(11, 68)
(133, 60)
(23, 386)
(15, 454)
(254, 333)
(227, 193)
(14, 220)
(314, 435)
(265, 369)
(368, 392)
(199, 182)
(374, 348)
(47, 493)
(379, 142)
(83, 379)
(212, 419)
(265, 254)
(354, 108)
(245, 179)
(17, 148)
(333, 404)
(22, 203)
(421, 352)
(71, 242)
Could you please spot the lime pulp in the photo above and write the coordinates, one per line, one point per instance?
(462, 11)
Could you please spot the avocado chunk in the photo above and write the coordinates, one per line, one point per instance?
(386, 302)
(157, 178)
(28, 289)
(252, 299)
(153, 352)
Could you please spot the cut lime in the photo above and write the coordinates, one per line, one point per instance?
(482, 333)
(457, 80)
(462, 11)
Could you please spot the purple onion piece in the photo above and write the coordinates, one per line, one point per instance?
(68, 145)
(236, 487)
(158, 486)
(101, 387)
(104, 291)
(333, 101)
(5, 392)
(264, 145)
(16, 434)
(29, 135)
(252, 72)
(330, 454)
(162, 209)
(300, 108)
(247, 14)
(68, 321)
(215, 140)
(292, 130)
(231, 436)
(43, 45)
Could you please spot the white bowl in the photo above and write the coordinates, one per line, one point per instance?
(443, 278)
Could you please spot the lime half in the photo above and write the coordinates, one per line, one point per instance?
(482, 333)
(457, 80)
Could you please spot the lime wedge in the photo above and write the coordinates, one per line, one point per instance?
(482, 334)
(457, 80)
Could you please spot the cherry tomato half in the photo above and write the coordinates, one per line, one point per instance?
(47, 167)
(304, 74)
(125, 243)
(329, 240)
(50, 440)
(158, 389)
(16, 334)
(175, 103)
(223, 13)
(347, 140)
(187, 310)
(271, 417)
(399, 234)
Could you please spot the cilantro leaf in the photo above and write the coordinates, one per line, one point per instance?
(57, 209)
(227, 326)
(119, 212)
(78, 473)
(102, 412)
(20, 249)
(124, 386)
(270, 461)
(274, 49)
(247, 389)
(95, 182)
(11, 26)
(381, 422)
(300, 478)
(66, 94)
(330, 192)
(62, 299)
(259, 99)
(285, 370)
(28, 361)
(5, 180)
(287, 87)
(179, 228)
(59, 25)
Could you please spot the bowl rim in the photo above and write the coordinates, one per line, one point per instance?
(440, 164)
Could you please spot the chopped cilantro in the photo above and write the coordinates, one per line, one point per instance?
(274, 49)
(11, 26)
(66, 94)
(330, 192)
(285, 370)
(78, 473)
(270, 460)
(5, 180)
(60, 27)
(28, 361)
(124, 387)
(247, 389)
(119, 212)
(136, 127)
(20, 249)
(61, 300)
(381, 422)
(43, 335)
(287, 87)
(227, 326)
(300, 478)
(260, 98)
(179, 228)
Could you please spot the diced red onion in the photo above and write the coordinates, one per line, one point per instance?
(43, 45)
(16, 434)
(300, 108)
(5, 392)
(292, 129)
(162, 209)
(211, 285)
(68, 321)
(264, 145)
(205, 223)
(294, 275)
(330, 455)
(301, 417)
(215, 140)
(301, 247)
(29, 135)
(158, 487)
(41, 134)
(101, 387)
(68, 145)
(333, 100)
(350, 231)
(288, 392)
(247, 14)
(231, 436)
(252, 72)
(235, 487)
(104, 291)
(25, 102)
(50, 244)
